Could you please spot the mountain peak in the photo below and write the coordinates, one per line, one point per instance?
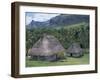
(60, 20)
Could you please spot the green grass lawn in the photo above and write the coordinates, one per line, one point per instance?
(68, 61)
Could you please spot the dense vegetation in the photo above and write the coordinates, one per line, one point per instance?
(77, 33)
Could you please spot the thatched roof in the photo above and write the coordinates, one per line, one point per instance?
(74, 48)
(46, 46)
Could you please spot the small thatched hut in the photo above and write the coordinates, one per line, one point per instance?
(74, 50)
(47, 48)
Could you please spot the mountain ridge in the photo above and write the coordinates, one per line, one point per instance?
(60, 20)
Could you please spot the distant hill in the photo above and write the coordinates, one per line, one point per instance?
(60, 20)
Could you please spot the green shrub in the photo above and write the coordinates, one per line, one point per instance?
(61, 55)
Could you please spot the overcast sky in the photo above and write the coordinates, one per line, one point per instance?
(38, 17)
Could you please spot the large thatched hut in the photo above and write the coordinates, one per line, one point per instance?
(47, 48)
(75, 50)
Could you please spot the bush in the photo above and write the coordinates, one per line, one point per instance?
(61, 55)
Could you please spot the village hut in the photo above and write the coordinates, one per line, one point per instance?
(47, 48)
(74, 50)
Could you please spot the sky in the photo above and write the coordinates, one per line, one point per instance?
(40, 17)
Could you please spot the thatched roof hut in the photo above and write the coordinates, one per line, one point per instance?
(48, 47)
(74, 50)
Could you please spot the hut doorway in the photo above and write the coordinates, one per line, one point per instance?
(71, 54)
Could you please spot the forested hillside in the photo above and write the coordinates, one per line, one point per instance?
(75, 33)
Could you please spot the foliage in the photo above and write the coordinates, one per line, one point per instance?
(66, 35)
(61, 55)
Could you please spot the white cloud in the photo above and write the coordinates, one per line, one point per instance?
(43, 17)
(28, 19)
(38, 17)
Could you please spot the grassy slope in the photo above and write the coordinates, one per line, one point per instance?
(73, 25)
(68, 61)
